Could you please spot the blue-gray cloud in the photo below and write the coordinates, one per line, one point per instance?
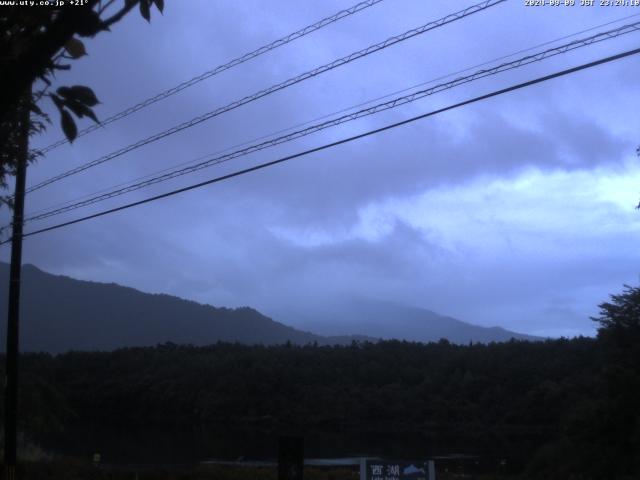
(304, 230)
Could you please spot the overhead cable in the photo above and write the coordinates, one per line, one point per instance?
(274, 88)
(327, 115)
(219, 69)
(394, 103)
(336, 143)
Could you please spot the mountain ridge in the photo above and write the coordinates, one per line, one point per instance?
(106, 316)
(388, 320)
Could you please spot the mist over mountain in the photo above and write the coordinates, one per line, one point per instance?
(59, 313)
(389, 320)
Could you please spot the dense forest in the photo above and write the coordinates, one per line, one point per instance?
(572, 405)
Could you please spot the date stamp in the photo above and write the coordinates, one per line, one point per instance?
(581, 3)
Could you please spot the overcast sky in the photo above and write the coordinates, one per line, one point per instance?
(517, 211)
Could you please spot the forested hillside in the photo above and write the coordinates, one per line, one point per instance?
(60, 313)
(549, 399)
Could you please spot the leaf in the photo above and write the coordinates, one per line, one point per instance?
(81, 110)
(159, 5)
(68, 126)
(35, 109)
(144, 10)
(92, 115)
(85, 95)
(80, 93)
(64, 92)
(76, 107)
(75, 48)
(59, 103)
(90, 24)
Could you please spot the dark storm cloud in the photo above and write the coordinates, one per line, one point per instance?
(425, 155)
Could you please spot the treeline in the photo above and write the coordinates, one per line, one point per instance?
(532, 393)
(572, 404)
(400, 384)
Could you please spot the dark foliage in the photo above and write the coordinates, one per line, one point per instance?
(35, 43)
(531, 394)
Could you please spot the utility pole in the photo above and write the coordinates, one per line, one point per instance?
(11, 367)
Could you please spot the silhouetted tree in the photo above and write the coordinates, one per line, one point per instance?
(618, 417)
(619, 331)
(37, 41)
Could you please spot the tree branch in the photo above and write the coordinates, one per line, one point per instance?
(104, 7)
(118, 16)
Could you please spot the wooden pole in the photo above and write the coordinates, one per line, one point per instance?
(13, 316)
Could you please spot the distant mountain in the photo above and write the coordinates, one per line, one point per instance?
(59, 313)
(389, 320)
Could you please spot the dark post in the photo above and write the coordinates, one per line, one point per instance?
(290, 458)
(11, 367)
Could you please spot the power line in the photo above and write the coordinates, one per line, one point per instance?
(274, 88)
(340, 142)
(403, 100)
(221, 68)
(322, 117)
